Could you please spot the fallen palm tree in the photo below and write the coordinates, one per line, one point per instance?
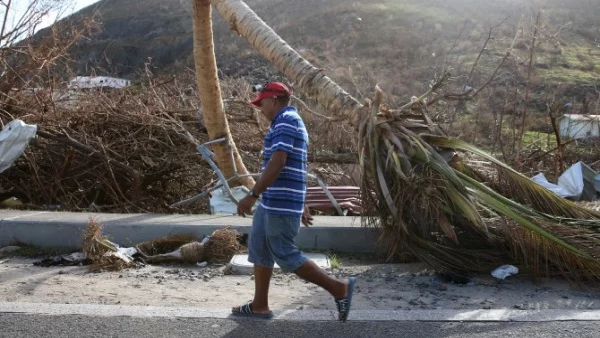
(427, 200)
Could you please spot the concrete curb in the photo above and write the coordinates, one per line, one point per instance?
(500, 315)
(64, 230)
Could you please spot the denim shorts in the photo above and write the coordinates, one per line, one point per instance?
(272, 241)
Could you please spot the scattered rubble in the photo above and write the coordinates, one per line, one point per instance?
(76, 258)
(100, 254)
(380, 287)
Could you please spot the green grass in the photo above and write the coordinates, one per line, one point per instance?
(412, 9)
(578, 63)
(570, 76)
(540, 140)
(335, 261)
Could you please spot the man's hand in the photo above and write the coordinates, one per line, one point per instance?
(307, 217)
(245, 206)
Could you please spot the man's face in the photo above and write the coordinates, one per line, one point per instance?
(267, 107)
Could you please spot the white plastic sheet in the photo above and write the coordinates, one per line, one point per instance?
(572, 180)
(505, 271)
(557, 190)
(221, 204)
(14, 138)
(125, 254)
(128, 251)
(575, 183)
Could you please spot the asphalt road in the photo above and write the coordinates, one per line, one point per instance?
(32, 326)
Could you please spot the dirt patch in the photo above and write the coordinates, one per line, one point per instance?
(381, 287)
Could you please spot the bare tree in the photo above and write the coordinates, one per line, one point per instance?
(28, 56)
(527, 84)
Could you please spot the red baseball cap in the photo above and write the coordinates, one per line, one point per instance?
(272, 89)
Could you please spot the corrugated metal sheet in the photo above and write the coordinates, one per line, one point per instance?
(348, 197)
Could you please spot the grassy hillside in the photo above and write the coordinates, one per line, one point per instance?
(363, 40)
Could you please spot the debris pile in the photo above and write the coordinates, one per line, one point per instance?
(100, 254)
(132, 149)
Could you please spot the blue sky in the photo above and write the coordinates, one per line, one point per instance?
(73, 6)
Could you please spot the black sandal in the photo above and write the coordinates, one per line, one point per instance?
(246, 311)
(344, 304)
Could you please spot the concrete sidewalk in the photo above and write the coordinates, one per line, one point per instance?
(65, 229)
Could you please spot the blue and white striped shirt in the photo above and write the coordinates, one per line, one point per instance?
(288, 133)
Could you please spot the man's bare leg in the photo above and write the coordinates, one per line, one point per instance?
(309, 271)
(262, 280)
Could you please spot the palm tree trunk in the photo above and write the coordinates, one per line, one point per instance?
(311, 80)
(209, 91)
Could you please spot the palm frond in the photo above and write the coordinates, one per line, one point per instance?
(433, 206)
(520, 187)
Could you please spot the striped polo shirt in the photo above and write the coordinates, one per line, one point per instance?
(286, 195)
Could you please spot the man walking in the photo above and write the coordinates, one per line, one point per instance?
(281, 189)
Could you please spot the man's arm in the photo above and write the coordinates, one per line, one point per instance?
(269, 175)
(272, 171)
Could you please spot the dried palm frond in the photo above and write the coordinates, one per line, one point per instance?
(521, 188)
(591, 205)
(540, 257)
(435, 206)
(96, 245)
(222, 245)
(101, 252)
